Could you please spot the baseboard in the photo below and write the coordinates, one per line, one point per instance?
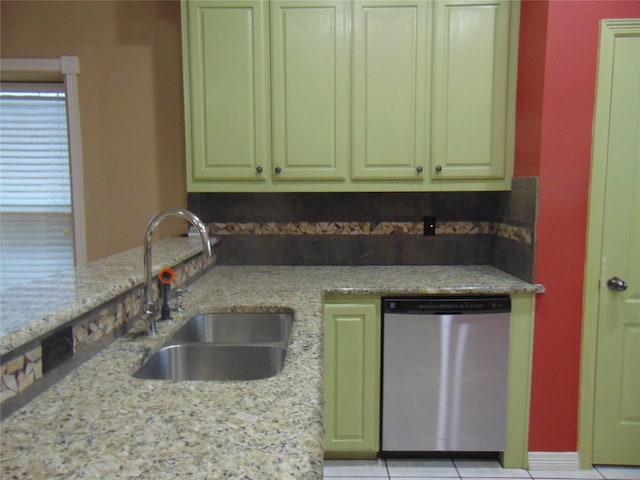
(554, 461)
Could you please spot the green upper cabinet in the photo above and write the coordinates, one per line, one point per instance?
(349, 95)
(473, 89)
(227, 90)
(391, 64)
(310, 85)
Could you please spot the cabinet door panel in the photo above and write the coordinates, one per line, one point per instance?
(391, 81)
(470, 89)
(228, 89)
(352, 374)
(310, 77)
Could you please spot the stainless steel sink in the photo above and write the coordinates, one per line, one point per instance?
(223, 346)
(200, 361)
(236, 328)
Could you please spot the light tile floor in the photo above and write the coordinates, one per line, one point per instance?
(447, 469)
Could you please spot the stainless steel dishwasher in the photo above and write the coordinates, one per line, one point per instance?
(444, 373)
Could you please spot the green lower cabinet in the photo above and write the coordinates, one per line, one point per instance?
(352, 377)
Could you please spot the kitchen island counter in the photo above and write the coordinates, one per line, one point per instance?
(101, 422)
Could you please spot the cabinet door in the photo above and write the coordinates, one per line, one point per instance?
(226, 90)
(310, 79)
(352, 376)
(391, 68)
(471, 90)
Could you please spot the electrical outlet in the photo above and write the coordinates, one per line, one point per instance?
(429, 226)
(57, 348)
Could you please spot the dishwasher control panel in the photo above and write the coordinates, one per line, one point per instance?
(448, 304)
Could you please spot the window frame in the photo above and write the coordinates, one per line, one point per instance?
(67, 69)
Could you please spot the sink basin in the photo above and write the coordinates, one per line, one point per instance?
(223, 346)
(213, 362)
(236, 328)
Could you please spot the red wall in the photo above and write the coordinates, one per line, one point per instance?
(531, 70)
(556, 89)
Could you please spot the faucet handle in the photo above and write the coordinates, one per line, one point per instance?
(148, 308)
(146, 323)
(179, 293)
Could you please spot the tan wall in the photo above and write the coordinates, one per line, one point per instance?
(131, 105)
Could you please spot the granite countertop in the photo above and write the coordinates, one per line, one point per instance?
(40, 306)
(101, 422)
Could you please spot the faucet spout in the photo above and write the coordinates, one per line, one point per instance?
(149, 305)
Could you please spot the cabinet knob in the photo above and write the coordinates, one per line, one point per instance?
(259, 169)
(438, 168)
(278, 170)
(419, 169)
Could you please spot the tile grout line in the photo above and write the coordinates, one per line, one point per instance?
(453, 462)
(528, 473)
(601, 475)
(599, 472)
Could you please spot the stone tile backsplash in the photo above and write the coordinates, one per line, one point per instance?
(496, 228)
(20, 373)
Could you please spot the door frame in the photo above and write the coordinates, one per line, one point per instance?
(609, 30)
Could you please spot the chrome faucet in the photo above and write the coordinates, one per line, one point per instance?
(149, 305)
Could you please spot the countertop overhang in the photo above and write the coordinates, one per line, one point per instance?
(36, 308)
(100, 421)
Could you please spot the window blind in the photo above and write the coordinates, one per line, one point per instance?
(36, 237)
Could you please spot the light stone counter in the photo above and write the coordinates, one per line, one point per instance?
(38, 307)
(101, 422)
